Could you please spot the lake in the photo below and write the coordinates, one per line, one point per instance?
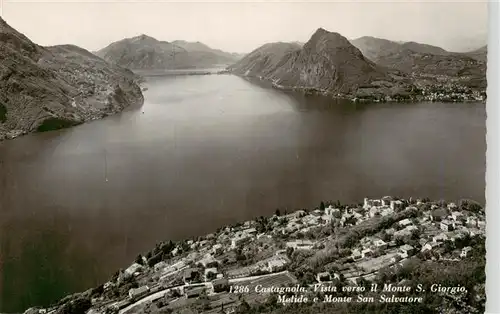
(205, 151)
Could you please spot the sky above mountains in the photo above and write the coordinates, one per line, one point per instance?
(244, 26)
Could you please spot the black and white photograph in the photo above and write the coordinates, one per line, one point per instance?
(260, 157)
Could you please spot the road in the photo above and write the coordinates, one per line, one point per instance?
(162, 293)
(236, 280)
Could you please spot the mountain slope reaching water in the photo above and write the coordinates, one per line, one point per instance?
(46, 88)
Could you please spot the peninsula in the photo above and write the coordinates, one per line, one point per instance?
(367, 69)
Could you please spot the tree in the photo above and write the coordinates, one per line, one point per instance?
(386, 237)
(244, 306)
(470, 205)
(111, 310)
(399, 241)
(211, 275)
(322, 206)
(278, 213)
(139, 260)
(99, 290)
(3, 113)
(415, 235)
(78, 306)
(362, 282)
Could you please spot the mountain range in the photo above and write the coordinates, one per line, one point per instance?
(479, 54)
(330, 64)
(419, 58)
(45, 88)
(147, 53)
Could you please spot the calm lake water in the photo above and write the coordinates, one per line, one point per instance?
(205, 151)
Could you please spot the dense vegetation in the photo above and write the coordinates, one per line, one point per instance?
(51, 124)
(3, 113)
(469, 273)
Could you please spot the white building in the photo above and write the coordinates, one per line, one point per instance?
(250, 231)
(374, 211)
(430, 246)
(322, 277)
(411, 228)
(405, 222)
(366, 253)
(160, 265)
(386, 200)
(457, 216)
(465, 251)
(371, 203)
(471, 221)
(217, 249)
(356, 254)
(299, 213)
(239, 239)
(301, 245)
(380, 244)
(406, 249)
(403, 233)
(481, 224)
(440, 238)
(387, 212)
(208, 260)
(334, 212)
(276, 262)
(133, 269)
(452, 206)
(317, 212)
(446, 225)
(396, 205)
(139, 292)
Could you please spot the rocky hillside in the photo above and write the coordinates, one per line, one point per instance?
(412, 57)
(479, 54)
(424, 48)
(147, 53)
(46, 88)
(263, 60)
(328, 63)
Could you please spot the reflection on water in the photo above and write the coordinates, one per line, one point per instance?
(37, 263)
(207, 151)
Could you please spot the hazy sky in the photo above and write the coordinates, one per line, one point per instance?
(243, 26)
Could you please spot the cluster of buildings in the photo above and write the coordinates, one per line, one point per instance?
(209, 265)
(445, 88)
(430, 229)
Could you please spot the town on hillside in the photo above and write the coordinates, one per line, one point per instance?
(269, 261)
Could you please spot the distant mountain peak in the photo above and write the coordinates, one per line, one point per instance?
(321, 30)
(143, 37)
(330, 39)
(326, 62)
(144, 52)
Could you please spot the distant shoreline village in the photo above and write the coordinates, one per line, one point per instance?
(367, 247)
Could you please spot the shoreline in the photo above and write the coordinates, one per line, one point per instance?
(62, 123)
(310, 91)
(143, 74)
(180, 72)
